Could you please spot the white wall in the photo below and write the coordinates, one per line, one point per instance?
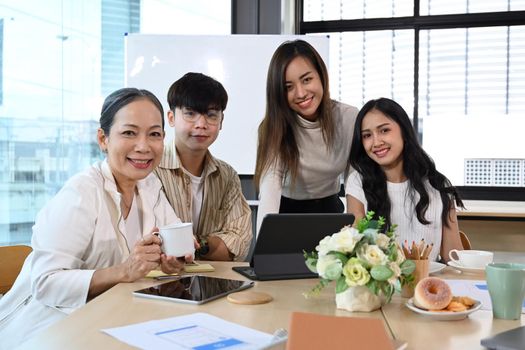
(450, 139)
(239, 62)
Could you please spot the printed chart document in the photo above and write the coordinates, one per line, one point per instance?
(476, 290)
(199, 331)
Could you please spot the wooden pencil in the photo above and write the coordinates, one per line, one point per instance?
(413, 250)
(421, 246)
(428, 250)
(405, 251)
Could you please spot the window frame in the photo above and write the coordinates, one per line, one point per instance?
(418, 23)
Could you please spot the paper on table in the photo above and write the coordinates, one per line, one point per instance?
(476, 290)
(191, 268)
(195, 331)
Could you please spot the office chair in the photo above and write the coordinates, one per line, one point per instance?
(464, 240)
(11, 260)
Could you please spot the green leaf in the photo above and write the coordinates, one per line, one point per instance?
(341, 285)
(407, 267)
(311, 263)
(397, 286)
(388, 291)
(316, 290)
(370, 236)
(392, 252)
(365, 222)
(391, 230)
(340, 256)
(372, 286)
(407, 280)
(362, 225)
(308, 255)
(381, 273)
(380, 222)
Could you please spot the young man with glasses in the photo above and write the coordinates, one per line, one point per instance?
(202, 189)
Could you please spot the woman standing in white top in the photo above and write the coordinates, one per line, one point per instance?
(97, 231)
(397, 179)
(304, 139)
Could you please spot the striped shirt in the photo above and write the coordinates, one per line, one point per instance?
(225, 212)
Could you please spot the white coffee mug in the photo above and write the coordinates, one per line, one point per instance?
(476, 259)
(177, 239)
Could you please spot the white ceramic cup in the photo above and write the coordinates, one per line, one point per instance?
(177, 239)
(476, 259)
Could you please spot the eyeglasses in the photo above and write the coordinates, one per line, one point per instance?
(212, 116)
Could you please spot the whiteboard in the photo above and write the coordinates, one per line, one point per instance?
(239, 62)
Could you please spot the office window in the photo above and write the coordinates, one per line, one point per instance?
(315, 10)
(190, 17)
(364, 65)
(467, 73)
(51, 97)
(472, 89)
(442, 7)
(1, 60)
(118, 17)
(58, 60)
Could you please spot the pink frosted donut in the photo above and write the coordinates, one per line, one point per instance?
(432, 293)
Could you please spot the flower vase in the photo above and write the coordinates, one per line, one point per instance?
(358, 298)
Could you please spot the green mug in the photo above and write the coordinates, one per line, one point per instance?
(506, 284)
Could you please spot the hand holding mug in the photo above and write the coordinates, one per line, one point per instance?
(172, 264)
(177, 239)
(145, 256)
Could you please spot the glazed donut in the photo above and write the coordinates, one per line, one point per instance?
(432, 293)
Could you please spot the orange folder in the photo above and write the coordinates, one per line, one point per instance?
(313, 331)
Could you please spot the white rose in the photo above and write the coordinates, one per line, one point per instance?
(345, 240)
(382, 240)
(325, 246)
(396, 270)
(372, 254)
(329, 267)
(400, 256)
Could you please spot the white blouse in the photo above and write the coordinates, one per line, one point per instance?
(403, 212)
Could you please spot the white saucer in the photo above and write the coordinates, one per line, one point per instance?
(443, 315)
(466, 269)
(435, 267)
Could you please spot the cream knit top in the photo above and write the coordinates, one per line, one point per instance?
(320, 169)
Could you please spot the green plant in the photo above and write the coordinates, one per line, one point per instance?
(361, 256)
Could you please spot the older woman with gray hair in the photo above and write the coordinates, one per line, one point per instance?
(98, 229)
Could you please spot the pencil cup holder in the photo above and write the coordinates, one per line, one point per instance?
(420, 272)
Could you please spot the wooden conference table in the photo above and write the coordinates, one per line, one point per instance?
(117, 307)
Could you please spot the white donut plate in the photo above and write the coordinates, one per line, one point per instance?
(443, 315)
(436, 267)
(466, 269)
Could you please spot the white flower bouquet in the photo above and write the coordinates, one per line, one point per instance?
(361, 256)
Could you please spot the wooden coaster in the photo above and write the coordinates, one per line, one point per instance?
(249, 298)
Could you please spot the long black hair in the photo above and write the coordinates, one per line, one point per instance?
(417, 167)
(276, 133)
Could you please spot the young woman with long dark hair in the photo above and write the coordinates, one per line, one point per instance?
(304, 138)
(397, 179)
